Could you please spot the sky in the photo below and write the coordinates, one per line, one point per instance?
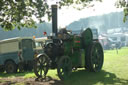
(67, 15)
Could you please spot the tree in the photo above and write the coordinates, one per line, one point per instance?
(20, 13)
(124, 4)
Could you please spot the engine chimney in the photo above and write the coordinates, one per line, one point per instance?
(54, 20)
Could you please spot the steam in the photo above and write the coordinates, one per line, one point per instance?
(97, 23)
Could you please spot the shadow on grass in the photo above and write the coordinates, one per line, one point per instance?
(49, 80)
(30, 81)
(3, 75)
(83, 77)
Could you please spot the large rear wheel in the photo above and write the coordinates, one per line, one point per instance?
(64, 67)
(41, 65)
(95, 57)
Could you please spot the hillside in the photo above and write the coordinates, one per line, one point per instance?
(24, 32)
(102, 22)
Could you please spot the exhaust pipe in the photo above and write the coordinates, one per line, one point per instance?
(54, 20)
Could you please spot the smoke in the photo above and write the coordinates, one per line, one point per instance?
(97, 23)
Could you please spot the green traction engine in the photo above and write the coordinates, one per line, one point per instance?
(66, 51)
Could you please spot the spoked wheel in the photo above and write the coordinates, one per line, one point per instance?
(41, 65)
(64, 67)
(95, 57)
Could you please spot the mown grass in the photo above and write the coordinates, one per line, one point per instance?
(114, 72)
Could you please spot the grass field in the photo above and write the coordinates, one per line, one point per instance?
(114, 72)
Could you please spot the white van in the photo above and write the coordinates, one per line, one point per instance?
(16, 53)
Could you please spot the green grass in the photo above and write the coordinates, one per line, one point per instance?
(114, 72)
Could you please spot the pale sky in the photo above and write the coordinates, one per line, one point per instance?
(69, 15)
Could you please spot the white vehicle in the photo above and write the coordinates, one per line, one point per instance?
(95, 33)
(126, 39)
(16, 53)
(118, 37)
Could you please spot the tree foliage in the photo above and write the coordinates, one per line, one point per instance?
(20, 13)
(124, 4)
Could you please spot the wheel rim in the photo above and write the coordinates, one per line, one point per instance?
(41, 66)
(97, 57)
(64, 68)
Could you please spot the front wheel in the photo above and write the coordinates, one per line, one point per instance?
(64, 67)
(41, 65)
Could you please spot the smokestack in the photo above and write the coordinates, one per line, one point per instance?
(54, 20)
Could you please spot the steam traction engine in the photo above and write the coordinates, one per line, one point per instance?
(66, 51)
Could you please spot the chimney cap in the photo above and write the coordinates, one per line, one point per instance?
(54, 6)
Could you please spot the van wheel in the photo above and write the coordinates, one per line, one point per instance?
(10, 67)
